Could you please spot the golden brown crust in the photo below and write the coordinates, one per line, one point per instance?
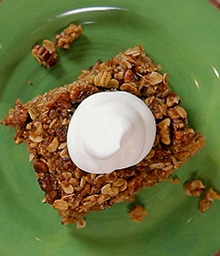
(42, 124)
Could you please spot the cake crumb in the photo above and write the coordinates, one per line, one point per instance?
(194, 188)
(67, 36)
(207, 200)
(174, 180)
(137, 213)
(30, 82)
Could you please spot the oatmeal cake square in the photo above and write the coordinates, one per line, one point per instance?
(42, 125)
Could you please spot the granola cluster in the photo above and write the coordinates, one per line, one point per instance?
(67, 36)
(46, 54)
(42, 124)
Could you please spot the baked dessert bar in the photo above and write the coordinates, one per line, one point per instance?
(42, 125)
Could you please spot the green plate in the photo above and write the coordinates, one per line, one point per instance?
(183, 36)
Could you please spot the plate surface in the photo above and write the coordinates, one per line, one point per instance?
(183, 36)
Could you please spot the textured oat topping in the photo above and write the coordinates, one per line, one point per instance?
(42, 124)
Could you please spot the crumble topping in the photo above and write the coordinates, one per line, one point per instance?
(42, 125)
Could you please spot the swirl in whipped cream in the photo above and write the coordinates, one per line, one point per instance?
(110, 131)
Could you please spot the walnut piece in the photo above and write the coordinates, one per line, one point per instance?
(207, 200)
(194, 187)
(197, 188)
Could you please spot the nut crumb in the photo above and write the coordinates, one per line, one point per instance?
(67, 36)
(194, 188)
(174, 180)
(137, 213)
(207, 200)
(197, 188)
(45, 55)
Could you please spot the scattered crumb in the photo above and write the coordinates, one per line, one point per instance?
(137, 213)
(207, 200)
(67, 36)
(174, 180)
(45, 54)
(194, 188)
(212, 195)
(30, 82)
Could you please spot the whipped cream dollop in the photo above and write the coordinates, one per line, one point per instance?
(110, 131)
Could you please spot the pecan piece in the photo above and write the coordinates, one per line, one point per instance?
(40, 167)
(45, 55)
